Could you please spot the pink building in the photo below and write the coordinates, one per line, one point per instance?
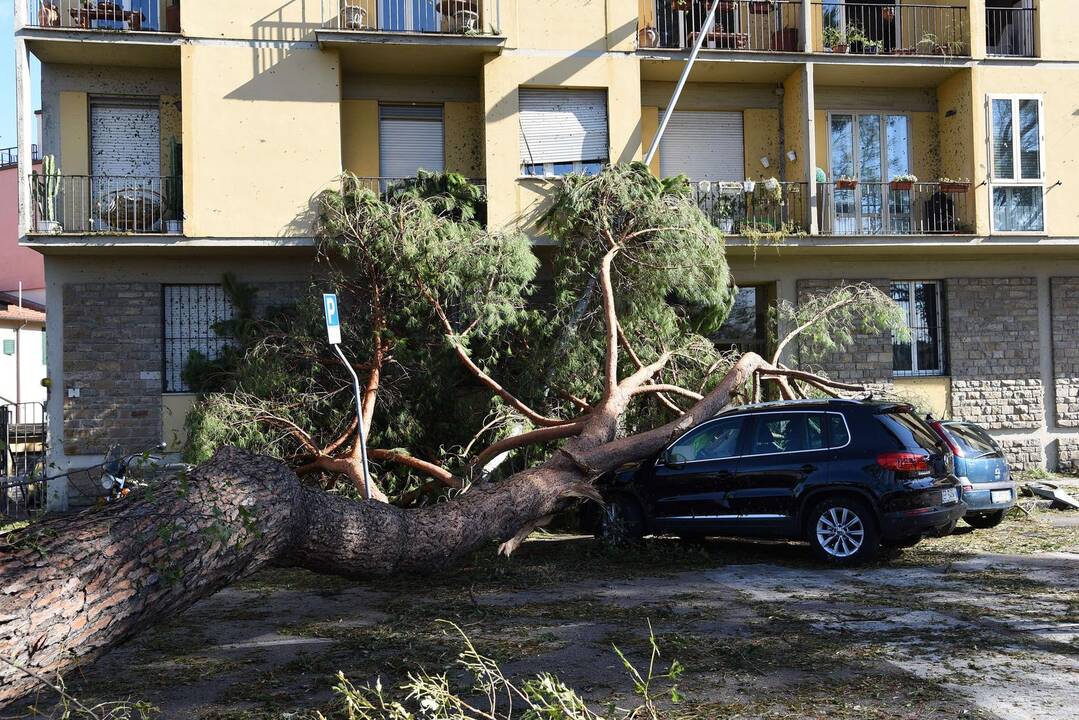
(17, 264)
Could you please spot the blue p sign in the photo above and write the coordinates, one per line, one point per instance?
(333, 318)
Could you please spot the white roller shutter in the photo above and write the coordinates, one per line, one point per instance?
(560, 126)
(410, 138)
(125, 139)
(704, 146)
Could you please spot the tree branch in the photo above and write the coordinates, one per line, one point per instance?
(672, 389)
(808, 324)
(534, 437)
(610, 317)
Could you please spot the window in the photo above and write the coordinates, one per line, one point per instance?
(838, 433)
(873, 148)
(190, 315)
(1009, 27)
(747, 326)
(715, 441)
(410, 139)
(1018, 174)
(563, 131)
(973, 441)
(923, 353)
(788, 433)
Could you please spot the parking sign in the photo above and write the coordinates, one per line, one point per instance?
(333, 318)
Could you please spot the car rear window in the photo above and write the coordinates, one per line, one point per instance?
(972, 440)
(910, 431)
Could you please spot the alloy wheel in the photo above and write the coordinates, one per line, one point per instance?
(840, 532)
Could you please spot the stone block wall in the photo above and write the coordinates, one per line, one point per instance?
(994, 352)
(868, 361)
(112, 356)
(1068, 455)
(1065, 298)
(1023, 453)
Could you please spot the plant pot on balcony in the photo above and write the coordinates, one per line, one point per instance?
(48, 227)
(841, 48)
(955, 187)
(902, 185)
(647, 37)
(846, 184)
(48, 15)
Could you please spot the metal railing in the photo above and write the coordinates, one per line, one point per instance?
(1009, 31)
(875, 208)
(24, 432)
(135, 15)
(760, 25)
(877, 29)
(448, 17)
(739, 208)
(384, 185)
(10, 156)
(103, 204)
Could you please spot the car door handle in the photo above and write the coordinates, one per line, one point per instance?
(807, 469)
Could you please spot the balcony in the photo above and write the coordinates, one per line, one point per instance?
(754, 207)
(119, 15)
(875, 208)
(95, 204)
(9, 157)
(887, 28)
(442, 37)
(1009, 28)
(745, 25)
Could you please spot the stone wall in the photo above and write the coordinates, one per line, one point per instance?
(994, 353)
(1068, 455)
(112, 357)
(868, 361)
(1065, 295)
(1023, 453)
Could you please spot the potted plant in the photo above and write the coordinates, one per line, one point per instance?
(647, 37)
(835, 41)
(846, 182)
(903, 182)
(48, 15)
(856, 38)
(928, 44)
(46, 188)
(947, 185)
(172, 17)
(748, 186)
(872, 47)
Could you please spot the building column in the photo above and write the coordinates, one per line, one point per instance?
(807, 26)
(811, 148)
(24, 113)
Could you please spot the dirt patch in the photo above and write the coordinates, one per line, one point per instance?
(952, 628)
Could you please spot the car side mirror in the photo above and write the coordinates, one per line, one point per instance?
(674, 460)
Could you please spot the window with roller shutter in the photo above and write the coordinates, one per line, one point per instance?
(563, 131)
(704, 146)
(410, 138)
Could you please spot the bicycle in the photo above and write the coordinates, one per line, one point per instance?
(121, 473)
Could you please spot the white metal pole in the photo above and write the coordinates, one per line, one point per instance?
(701, 37)
(361, 435)
(24, 129)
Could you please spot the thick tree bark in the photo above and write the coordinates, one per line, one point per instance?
(71, 589)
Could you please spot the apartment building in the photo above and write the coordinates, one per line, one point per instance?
(927, 147)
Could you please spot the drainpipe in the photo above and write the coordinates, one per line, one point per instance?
(701, 37)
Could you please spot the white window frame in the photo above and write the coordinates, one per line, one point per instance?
(1016, 181)
(914, 371)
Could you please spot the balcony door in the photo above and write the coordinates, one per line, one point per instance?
(1009, 27)
(871, 17)
(872, 148)
(126, 192)
(407, 16)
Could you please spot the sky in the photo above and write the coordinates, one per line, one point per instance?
(7, 74)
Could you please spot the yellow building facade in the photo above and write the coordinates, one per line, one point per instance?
(928, 147)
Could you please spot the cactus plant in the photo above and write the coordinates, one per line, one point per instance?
(46, 188)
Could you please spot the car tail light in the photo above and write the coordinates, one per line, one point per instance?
(943, 433)
(904, 462)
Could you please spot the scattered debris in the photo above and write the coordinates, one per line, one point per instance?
(1060, 499)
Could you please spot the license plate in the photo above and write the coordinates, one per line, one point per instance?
(1000, 496)
(949, 496)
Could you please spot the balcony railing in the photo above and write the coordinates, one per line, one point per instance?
(99, 204)
(744, 208)
(753, 25)
(878, 29)
(9, 157)
(1009, 31)
(447, 17)
(875, 208)
(135, 15)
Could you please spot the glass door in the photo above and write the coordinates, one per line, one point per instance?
(871, 149)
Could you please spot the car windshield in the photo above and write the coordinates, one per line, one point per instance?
(973, 441)
(911, 432)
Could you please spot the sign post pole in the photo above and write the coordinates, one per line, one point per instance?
(333, 331)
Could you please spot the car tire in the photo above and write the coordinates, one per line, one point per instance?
(987, 521)
(843, 531)
(620, 522)
(947, 529)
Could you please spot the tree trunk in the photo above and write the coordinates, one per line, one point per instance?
(71, 589)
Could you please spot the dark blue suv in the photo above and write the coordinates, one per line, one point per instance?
(847, 476)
